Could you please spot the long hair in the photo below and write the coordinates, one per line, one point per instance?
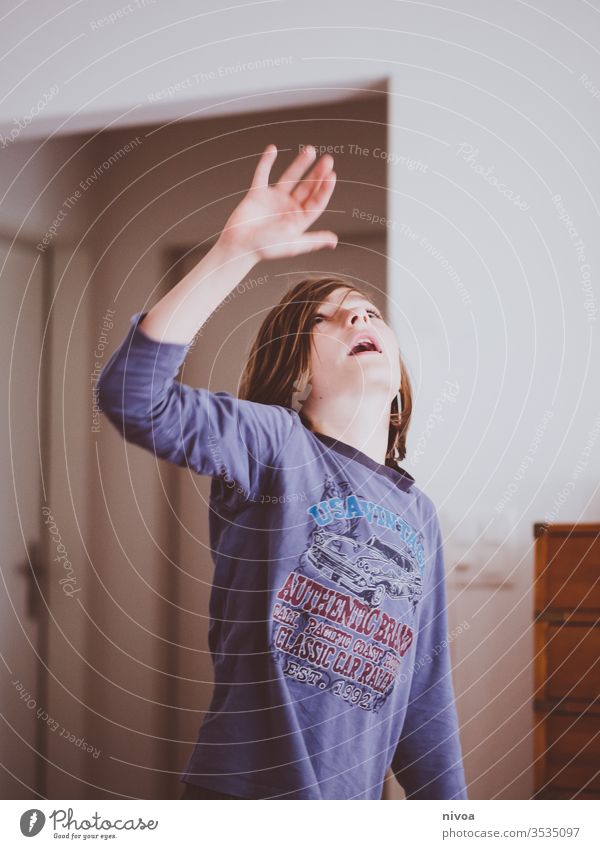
(279, 359)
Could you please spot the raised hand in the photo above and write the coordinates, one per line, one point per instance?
(271, 221)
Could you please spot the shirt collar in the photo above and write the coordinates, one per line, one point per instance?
(397, 475)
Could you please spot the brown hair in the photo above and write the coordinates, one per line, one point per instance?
(280, 357)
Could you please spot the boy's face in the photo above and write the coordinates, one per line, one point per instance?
(335, 371)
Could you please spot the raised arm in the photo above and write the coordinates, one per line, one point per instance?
(269, 222)
(215, 433)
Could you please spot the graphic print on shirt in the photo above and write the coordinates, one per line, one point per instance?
(342, 619)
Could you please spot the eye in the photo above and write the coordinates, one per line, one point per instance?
(316, 316)
(375, 313)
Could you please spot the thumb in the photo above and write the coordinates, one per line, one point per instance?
(314, 241)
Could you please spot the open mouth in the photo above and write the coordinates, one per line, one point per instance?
(364, 346)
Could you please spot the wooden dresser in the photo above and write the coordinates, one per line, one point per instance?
(567, 661)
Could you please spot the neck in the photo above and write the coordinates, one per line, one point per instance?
(367, 433)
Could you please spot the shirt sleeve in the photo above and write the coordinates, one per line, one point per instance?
(428, 758)
(234, 441)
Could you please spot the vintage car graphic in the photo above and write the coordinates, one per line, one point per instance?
(369, 568)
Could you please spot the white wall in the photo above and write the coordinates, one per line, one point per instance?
(510, 326)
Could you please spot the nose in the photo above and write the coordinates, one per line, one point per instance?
(356, 313)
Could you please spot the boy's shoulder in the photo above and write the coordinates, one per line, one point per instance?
(426, 508)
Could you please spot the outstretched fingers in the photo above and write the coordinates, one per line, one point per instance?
(263, 169)
(293, 172)
(313, 179)
(318, 199)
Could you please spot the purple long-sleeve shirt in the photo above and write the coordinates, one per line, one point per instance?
(328, 624)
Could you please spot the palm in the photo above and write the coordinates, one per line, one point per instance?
(272, 221)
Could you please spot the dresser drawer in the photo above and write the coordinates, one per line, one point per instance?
(572, 660)
(566, 793)
(572, 745)
(567, 566)
(555, 792)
